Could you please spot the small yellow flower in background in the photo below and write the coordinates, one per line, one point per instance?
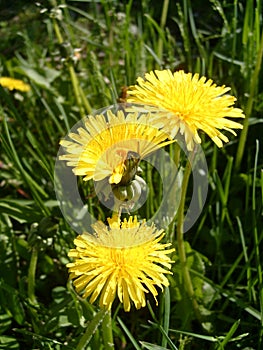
(14, 84)
(125, 260)
(101, 149)
(186, 103)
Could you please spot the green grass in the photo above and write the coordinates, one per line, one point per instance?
(222, 40)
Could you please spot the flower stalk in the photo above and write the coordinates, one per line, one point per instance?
(32, 275)
(181, 246)
(31, 287)
(76, 89)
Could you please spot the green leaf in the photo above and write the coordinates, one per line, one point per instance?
(8, 343)
(43, 77)
(195, 262)
(151, 346)
(5, 322)
(10, 300)
(90, 330)
(129, 335)
(20, 210)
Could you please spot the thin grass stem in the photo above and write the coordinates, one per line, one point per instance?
(162, 25)
(248, 110)
(79, 95)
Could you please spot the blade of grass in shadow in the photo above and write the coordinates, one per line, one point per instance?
(21, 210)
(10, 104)
(256, 238)
(183, 25)
(196, 35)
(162, 26)
(128, 333)
(214, 339)
(82, 101)
(166, 301)
(228, 336)
(154, 55)
(113, 87)
(253, 52)
(227, 277)
(36, 190)
(158, 326)
(31, 289)
(97, 80)
(150, 346)
(230, 296)
(48, 109)
(128, 49)
(250, 286)
(35, 150)
(43, 338)
(63, 114)
(157, 52)
(91, 328)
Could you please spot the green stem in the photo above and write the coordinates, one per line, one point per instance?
(31, 287)
(32, 275)
(57, 31)
(85, 101)
(175, 154)
(150, 200)
(107, 331)
(162, 24)
(248, 110)
(180, 243)
(76, 89)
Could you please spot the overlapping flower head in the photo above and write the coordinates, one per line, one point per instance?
(125, 259)
(185, 103)
(103, 146)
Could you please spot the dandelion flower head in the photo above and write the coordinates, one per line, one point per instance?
(125, 260)
(186, 103)
(14, 84)
(99, 149)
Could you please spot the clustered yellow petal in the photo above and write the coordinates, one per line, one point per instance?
(125, 259)
(99, 149)
(14, 84)
(186, 103)
(115, 222)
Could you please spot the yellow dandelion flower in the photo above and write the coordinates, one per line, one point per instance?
(186, 103)
(14, 84)
(104, 147)
(125, 260)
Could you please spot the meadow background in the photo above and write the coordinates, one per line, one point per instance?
(77, 57)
